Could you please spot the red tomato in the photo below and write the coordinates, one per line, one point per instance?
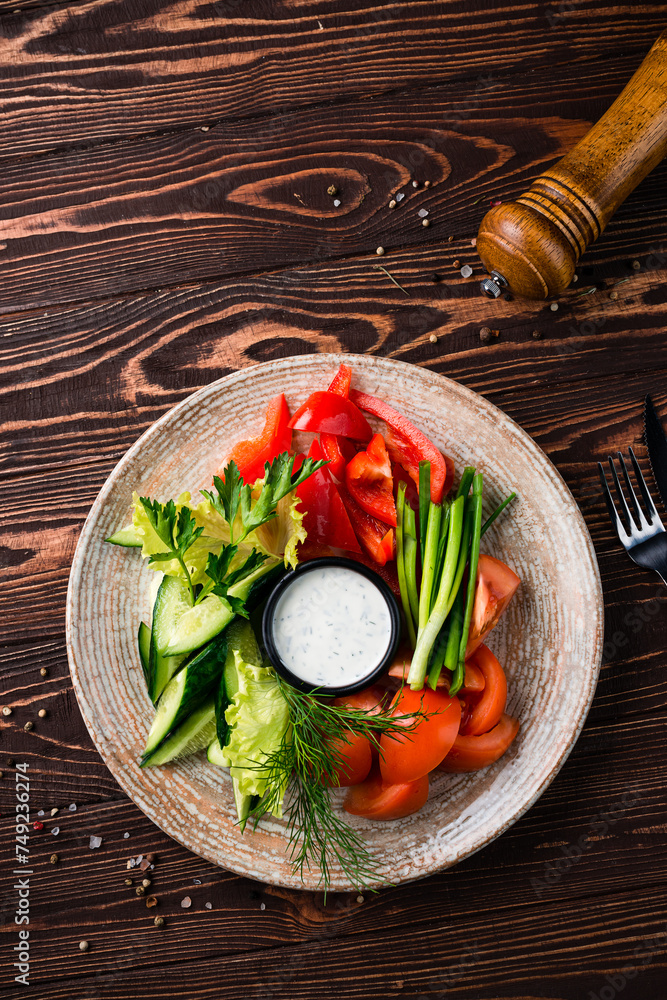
(368, 700)
(325, 518)
(276, 437)
(333, 414)
(375, 799)
(408, 446)
(406, 758)
(485, 711)
(376, 538)
(369, 481)
(495, 586)
(471, 753)
(355, 759)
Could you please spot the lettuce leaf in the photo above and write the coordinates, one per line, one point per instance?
(281, 535)
(258, 719)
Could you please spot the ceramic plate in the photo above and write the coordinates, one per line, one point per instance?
(549, 641)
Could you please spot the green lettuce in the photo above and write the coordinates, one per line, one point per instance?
(258, 719)
(281, 535)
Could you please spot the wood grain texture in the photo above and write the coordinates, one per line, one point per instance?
(91, 71)
(253, 196)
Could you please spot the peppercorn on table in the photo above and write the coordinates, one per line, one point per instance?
(189, 188)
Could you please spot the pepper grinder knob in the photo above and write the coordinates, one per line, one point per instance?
(536, 241)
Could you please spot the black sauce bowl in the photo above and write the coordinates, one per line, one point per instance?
(269, 614)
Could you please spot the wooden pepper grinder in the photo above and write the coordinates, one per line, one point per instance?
(531, 246)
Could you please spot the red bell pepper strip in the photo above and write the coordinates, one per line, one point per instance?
(408, 446)
(337, 450)
(369, 481)
(333, 414)
(375, 537)
(325, 519)
(276, 437)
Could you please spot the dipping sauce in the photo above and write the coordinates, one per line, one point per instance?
(331, 626)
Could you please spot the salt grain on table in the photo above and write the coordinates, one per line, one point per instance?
(197, 881)
(72, 807)
(126, 836)
(186, 903)
(209, 906)
(41, 812)
(422, 213)
(95, 842)
(400, 196)
(55, 831)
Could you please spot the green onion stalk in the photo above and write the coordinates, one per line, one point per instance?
(401, 564)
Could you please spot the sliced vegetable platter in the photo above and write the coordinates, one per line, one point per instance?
(549, 641)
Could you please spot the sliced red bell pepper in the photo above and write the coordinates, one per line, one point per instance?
(276, 437)
(326, 520)
(369, 481)
(408, 446)
(337, 450)
(411, 491)
(375, 537)
(333, 414)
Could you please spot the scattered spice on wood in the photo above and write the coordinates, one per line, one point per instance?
(422, 213)
(380, 251)
(38, 825)
(636, 266)
(151, 901)
(537, 334)
(146, 882)
(10, 762)
(6, 710)
(415, 184)
(457, 263)
(54, 812)
(554, 305)
(54, 859)
(478, 201)
(336, 202)
(433, 338)
(495, 202)
(196, 881)
(41, 812)
(473, 242)
(205, 128)
(613, 295)
(126, 836)
(140, 891)
(151, 858)
(83, 946)
(159, 921)
(575, 279)
(392, 203)
(186, 903)
(72, 807)
(332, 190)
(450, 239)
(28, 726)
(94, 843)
(466, 271)
(262, 906)
(42, 713)
(128, 881)
(584, 291)
(44, 672)
(360, 899)
(379, 267)
(426, 223)
(145, 865)
(427, 184)
(400, 196)
(55, 831)
(2, 774)
(485, 335)
(208, 906)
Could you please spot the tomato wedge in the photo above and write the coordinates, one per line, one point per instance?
(485, 711)
(369, 481)
(406, 758)
(276, 437)
(354, 760)
(408, 446)
(334, 414)
(337, 450)
(325, 518)
(375, 799)
(495, 586)
(376, 538)
(472, 753)
(368, 700)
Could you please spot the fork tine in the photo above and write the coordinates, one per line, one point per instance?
(621, 498)
(639, 513)
(615, 519)
(648, 500)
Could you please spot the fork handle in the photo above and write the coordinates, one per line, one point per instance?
(534, 243)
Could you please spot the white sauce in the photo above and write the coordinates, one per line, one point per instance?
(331, 626)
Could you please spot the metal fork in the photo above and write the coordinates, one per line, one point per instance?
(644, 539)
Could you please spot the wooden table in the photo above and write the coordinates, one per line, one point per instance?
(164, 220)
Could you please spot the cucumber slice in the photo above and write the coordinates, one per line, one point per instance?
(171, 604)
(216, 753)
(240, 639)
(126, 537)
(200, 624)
(193, 734)
(145, 651)
(184, 692)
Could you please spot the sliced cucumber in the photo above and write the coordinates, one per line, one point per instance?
(192, 684)
(200, 624)
(172, 600)
(240, 640)
(193, 734)
(127, 537)
(145, 650)
(216, 753)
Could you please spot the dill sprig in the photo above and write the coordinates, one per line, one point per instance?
(306, 764)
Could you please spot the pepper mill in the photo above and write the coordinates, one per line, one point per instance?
(531, 246)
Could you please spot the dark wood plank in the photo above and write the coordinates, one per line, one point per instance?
(253, 196)
(162, 64)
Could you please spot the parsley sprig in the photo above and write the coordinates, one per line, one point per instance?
(177, 530)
